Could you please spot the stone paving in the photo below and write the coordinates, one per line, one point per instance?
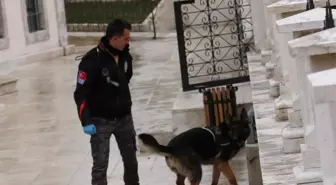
(42, 142)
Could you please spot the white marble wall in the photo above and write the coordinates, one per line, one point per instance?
(281, 71)
(279, 68)
(20, 46)
(315, 52)
(323, 86)
(296, 47)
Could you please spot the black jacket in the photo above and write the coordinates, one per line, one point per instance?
(102, 86)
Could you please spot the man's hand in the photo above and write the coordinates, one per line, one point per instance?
(89, 129)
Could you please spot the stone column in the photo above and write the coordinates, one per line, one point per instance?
(61, 23)
(259, 23)
(266, 52)
(313, 53)
(62, 28)
(278, 69)
(323, 89)
(290, 28)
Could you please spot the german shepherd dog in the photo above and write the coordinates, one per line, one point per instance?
(186, 152)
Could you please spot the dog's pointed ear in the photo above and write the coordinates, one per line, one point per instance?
(243, 115)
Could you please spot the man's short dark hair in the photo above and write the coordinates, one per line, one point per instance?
(117, 27)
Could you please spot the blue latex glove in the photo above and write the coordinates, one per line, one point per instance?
(89, 129)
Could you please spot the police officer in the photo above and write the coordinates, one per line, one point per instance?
(103, 100)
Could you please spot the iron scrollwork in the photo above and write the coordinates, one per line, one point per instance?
(213, 38)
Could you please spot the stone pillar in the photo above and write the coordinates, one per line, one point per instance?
(252, 152)
(61, 23)
(323, 90)
(291, 28)
(165, 16)
(62, 28)
(313, 53)
(278, 69)
(266, 51)
(259, 24)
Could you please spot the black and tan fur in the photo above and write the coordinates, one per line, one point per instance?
(186, 152)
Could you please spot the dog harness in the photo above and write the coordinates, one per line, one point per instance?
(216, 139)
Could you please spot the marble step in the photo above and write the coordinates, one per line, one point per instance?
(7, 84)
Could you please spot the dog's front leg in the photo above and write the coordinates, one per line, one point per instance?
(215, 173)
(226, 169)
(180, 179)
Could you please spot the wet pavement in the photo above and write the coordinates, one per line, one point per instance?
(42, 142)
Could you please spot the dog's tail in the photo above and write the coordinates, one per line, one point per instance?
(152, 144)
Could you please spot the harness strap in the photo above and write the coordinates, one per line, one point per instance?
(214, 137)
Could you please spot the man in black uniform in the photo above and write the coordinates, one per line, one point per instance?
(104, 102)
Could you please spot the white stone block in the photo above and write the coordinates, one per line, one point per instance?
(307, 20)
(281, 108)
(265, 56)
(312, 176)
(270, 67)
(69, 49)
(292, 139)
(296, 101)
(259, 23)
(319, 43)
(289, 28)
(295, 119)
(324, 87)
(310, 135)
(316, 53)
(274, 88)
(310, 157)
(292, 145)
(253, 164)
(281, 114)
(281, 6)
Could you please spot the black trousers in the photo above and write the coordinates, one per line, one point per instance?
(124, 132)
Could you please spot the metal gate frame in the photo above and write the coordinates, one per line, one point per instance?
(235, 7)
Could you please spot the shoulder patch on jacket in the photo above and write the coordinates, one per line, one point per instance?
(81, 77)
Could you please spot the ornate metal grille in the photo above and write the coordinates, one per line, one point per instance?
(213, 38)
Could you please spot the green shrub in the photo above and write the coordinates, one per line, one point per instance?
(134, 11)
